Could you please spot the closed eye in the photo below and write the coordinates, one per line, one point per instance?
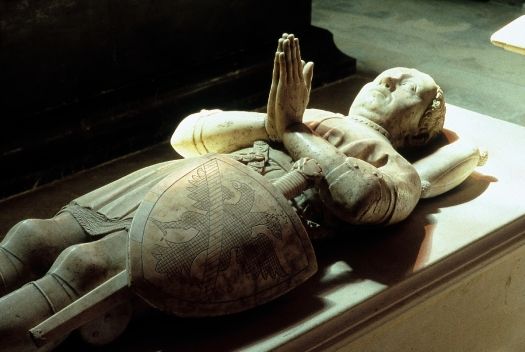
(410, 86)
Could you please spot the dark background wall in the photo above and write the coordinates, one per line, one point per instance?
(86, 81)
(56, 52)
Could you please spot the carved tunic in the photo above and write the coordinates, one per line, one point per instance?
(117, 201)
(121, 198)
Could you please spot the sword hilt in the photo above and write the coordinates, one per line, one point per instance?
(305, 173)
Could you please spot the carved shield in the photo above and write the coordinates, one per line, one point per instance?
(214, 238)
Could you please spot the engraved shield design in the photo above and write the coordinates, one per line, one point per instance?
(214, 238)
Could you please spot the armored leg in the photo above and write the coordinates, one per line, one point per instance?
(31, 246)
(77, 270)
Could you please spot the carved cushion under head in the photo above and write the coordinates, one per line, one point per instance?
(446, 163)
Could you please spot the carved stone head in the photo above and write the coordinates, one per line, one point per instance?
(406, 102)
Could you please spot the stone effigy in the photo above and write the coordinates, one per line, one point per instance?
(212, 228)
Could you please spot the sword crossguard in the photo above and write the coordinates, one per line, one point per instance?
(309, 168)
(305, 173)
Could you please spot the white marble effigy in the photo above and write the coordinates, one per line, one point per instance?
(449, 278)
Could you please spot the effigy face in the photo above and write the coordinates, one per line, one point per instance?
(396, 99)
(216, 238)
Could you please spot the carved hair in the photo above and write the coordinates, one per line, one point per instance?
(431, 122)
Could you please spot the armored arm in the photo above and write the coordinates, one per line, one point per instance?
(216, 131)
(375, 185)
(447, 167)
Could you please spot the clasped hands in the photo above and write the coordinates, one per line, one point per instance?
(290, 89)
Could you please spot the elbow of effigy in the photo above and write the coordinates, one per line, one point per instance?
(357, 193)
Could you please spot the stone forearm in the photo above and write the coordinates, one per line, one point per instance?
(216, 131)
(300, 141)
(355, 191)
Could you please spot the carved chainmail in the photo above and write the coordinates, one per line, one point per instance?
(371, 124)
(95, 224)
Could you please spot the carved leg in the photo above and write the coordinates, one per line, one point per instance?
(77, 270)
(31, 246)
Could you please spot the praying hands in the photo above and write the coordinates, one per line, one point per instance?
(290, 88)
